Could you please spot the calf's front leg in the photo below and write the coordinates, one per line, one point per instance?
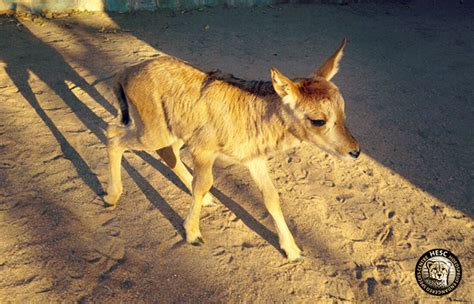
(201, 183)
(259, 171)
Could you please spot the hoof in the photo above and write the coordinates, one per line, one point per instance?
(111, 200)
(109, 207)
(295, 255)
(197, 242)
(297, 259)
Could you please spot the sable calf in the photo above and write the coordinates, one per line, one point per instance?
(166, 103)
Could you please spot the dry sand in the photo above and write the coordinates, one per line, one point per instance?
(407, 77)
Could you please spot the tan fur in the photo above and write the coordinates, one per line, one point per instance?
(170, 103)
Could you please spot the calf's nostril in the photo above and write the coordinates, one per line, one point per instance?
(354, 153)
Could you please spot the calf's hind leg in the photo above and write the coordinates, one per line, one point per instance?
(115, 150)
(202, 183)
(171, 157)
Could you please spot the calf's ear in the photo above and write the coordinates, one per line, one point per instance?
(285, 88)
(328, 69)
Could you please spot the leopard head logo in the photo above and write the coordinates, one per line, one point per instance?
(438, 271)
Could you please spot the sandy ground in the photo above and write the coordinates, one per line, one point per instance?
(407, 77)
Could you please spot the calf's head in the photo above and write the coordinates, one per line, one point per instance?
(317, 108)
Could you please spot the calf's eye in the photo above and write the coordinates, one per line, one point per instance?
(318, 122)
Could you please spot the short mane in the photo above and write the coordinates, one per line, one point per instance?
(260, 88)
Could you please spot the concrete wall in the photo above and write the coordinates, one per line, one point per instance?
(131, 5)
(52, 5)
